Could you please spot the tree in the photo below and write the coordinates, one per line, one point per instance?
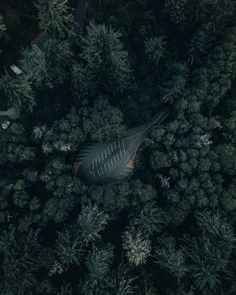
(92, 221)
(18, 91)
(20, 253)
(69, 247)
(170, 258)
(173, 221)
(98, 264)
(122, 282)
(218, 230)
(16, 147)
(33, 64)
(203, 267)
(155, 49)
(84, 82)
(105, 57)
(175, 82)
(137, 247)
(150, 220)
(210, 254)
(55, 17)
(47, 67)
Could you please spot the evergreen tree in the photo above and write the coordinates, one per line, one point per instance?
(92, 222)
(18, 91)
(137, 247)
(171, 259)
(48, 67)
(173, 221)
(19, 253)
(55, 17)
(150, 220)
(155, 49)
(105, 57)
(69, 247)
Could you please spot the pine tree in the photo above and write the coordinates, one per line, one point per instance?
(34, 66)
(92, 221)
(137, 247)
(20, 253)
(150, 220)
(174, 84)
(104, 55)
(18, 91)
(210, 253)
(47, 67)
(155, 49)
(55, 17)
(170, 258)
(69, 247)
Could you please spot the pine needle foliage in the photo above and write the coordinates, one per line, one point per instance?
(104, 53)
(137, 247)
(170, 227)
(92, 221)
(55, 17)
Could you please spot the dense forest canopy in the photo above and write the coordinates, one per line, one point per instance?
(170, 228)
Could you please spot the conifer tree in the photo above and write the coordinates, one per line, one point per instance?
(155, 49)
(49, 66)
(18, 91)
(92, 221)
(104, 55)
(137, 247)
(69, 247)
(171, 259)
(55, 17)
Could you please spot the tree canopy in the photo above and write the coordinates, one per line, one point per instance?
(170, 228)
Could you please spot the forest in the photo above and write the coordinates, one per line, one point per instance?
(88, 71)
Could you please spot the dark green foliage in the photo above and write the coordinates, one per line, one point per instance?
(217, 229)
(186, 13)
(47, 67)
(150, 220)
(2, 26)
(175, 82)
(15, 146)
(121, 282)
(17, 91)
(116, 282)
(178, 10)
(19, 255)
(58, 59)
(55, 17)
(98, 263)
(34, 64)
(69, 248)
(65, 290)
(136, 246)
(92, 222)
(114, 198)
(209, 255)
(83, 82)
(87, 123)
(204, 267)
(155, 48)
(170, 228)
(170, 258)
(105, 58)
